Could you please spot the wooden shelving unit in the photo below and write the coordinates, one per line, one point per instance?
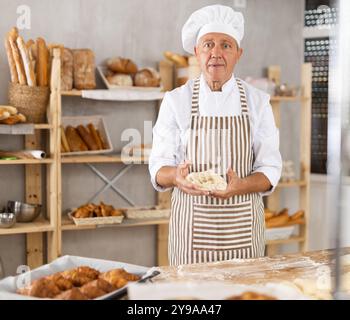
(46, 224)
(273, 201)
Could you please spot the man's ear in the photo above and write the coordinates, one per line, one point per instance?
(240, 52)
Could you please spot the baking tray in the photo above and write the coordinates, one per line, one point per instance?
(102, 70)
(9, 285)
(99, 124)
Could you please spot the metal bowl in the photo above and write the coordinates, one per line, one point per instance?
(7, 220)
(24, 212)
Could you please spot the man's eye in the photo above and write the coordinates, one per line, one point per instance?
(207, 45)
(227, 46)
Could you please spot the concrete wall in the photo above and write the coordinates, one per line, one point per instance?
(141, 30)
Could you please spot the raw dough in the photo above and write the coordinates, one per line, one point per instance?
(207, 180)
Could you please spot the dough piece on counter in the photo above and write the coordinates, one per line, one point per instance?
(84, 69)
(207, 180)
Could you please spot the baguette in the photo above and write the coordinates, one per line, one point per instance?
(298, 215)
(11, 61)
(87, 138)
(31, 48)
(104, 146)
(94, 134)
(18, 62)
(28, 67)
(64, 140)
(74, 140)
(269, 215)
(42, 63)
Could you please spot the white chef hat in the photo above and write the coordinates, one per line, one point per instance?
(216, 18)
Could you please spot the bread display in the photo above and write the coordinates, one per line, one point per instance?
(81, 283)
(147, 77)
(121, 65)
(9, 115)
(81, 138)
(91, 210)
(207, 180)
(282, 218)
(84, 69)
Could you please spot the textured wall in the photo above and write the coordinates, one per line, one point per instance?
(141, 30)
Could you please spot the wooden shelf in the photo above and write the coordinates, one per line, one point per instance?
(103, 159)
(289, 184)
(67, 224)
(72, 93)
(286, 241)
(40, 225)
(27, 161)
(43, 126)
(288, 99)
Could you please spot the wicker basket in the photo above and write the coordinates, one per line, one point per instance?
(31, 101)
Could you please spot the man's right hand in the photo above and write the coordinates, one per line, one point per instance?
(182, 170)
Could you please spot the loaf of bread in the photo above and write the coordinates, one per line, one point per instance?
(103, 143)
(67, 70)
(74, 140)
(94, 134)
(180, 61)
(87, 138)
(42, 63)
(147, 77)
(120, 79)
(11, 61)
(84, 69)
(121, 65)
(27, 64)
(64, 141)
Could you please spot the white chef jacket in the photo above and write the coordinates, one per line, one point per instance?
(171, 131)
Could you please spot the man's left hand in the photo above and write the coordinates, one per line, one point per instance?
(234, 186)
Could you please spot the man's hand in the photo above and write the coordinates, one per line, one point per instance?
(180, 182)
(234, 186)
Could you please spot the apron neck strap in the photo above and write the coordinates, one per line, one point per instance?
(195, 97)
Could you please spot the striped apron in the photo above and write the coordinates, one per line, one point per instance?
(205, 229)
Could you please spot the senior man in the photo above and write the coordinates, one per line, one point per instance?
(216, 122)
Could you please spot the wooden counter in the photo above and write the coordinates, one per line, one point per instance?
(304, 271)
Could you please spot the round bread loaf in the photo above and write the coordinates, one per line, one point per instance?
(147, 77)
(120, 79)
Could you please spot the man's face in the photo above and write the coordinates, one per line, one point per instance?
(217, 54)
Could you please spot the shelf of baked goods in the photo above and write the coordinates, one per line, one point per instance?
(67, 224)
(27, 161)
(39, 225)
(117, 158)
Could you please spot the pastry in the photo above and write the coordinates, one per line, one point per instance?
(120, 79)
(96, 288)
(4, 114)
(87, 137)
(147, 77)
(207, 180)
(118, 277)
(10, 109)
(121, 65)
(251, 296)
(74, 140)
(13, 119)
(62, 283)
(84, 69)
(72, 294)
(41, 288)
(79, 277)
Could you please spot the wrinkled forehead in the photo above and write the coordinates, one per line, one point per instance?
(217, 37)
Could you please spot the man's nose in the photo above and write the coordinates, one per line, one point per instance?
(216, 52)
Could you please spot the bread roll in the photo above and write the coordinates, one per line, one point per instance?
(87, 137)
(13, 119)
(180, 61)
(121, 65)
(11, 61)
(74, 140)
(120, 79)
(4, 114)
(42, 63)
(67, 70)
(28, 67)
(84, 69)
(94, 134)
(10, 109)
(147, 77)
(18, 62)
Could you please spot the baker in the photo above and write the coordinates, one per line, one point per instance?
(215, 122)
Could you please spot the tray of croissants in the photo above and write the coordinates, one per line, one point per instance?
(74, 278)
